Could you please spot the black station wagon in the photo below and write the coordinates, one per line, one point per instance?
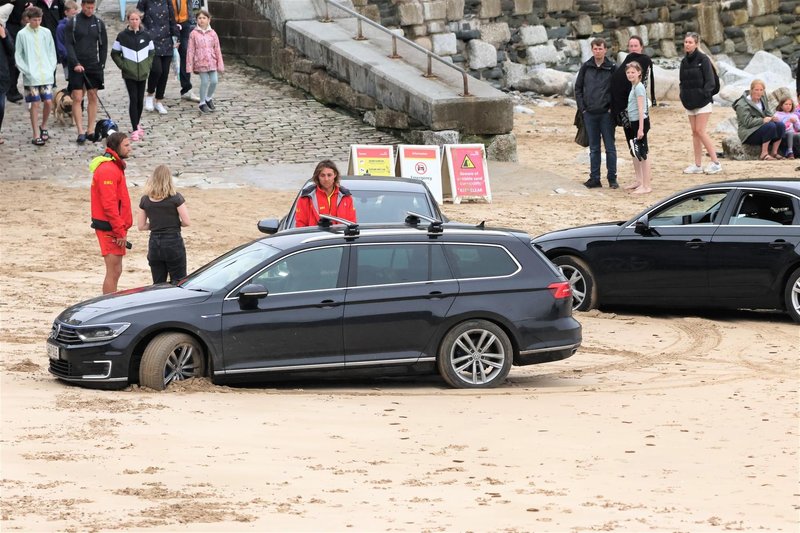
(464, 301)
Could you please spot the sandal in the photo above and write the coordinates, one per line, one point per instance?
(777, 156)
(766, 157)
(38, 141)
(81, 138)
(43, 134)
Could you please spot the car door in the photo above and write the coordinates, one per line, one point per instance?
(397, 296)
(666, 264)
(753, 247)
(298, 325)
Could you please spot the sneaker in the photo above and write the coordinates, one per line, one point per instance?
(713, 168)
(140, 129)
(148, 103)
(613, 184)
(210, 104)
(135, 136)
(592, 184)
(161, 109)
(191, 96)
(693, 169)
(204, 108)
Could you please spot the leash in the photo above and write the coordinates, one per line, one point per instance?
(89, 85)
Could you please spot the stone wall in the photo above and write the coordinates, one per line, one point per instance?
(486, 36)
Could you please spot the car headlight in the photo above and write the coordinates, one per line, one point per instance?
(102, 332)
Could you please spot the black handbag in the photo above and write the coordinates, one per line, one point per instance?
(581, 137)
(623, 119)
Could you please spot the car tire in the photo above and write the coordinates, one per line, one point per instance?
(475, 354)
(791, 295)
(581, 280)
(171, 357)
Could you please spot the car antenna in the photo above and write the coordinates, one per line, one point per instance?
(482, 225)
(350, 228)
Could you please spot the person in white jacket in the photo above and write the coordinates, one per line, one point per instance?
(36, 59)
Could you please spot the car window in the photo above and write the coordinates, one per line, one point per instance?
(763, 209)
(374, 207)
(310, 270)
(476, 261)
(398, 263)
(698, 208)
(227, 268)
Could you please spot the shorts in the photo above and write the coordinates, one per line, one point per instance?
(641, 144)
(107, 244)
(38, 93)
(700, 110)
(77, 81)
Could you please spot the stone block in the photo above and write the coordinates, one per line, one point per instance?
(660, 30)
(490, 9)
(434, 10)
(757, 8)
(481, 54)
(424, 42)
(734, 149)
(617, 7)
(497, 34)
(752, 40)
(371, 12)
(454, 9)
(444, 44)
(542, 54)
(439, 138)
(436, 26)
(582, 26)
(709, 24)
(502, 148)
(301, 80)
(557, 6)
(514, 73)
(740, 17)
(546, 81)
(764, 62)
(523, 7)
(531, 35)
(303, 65)
(388, 118)
(417, 30)
(667, 48)
(410, 14)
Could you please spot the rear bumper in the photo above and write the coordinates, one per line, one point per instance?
(546, 355)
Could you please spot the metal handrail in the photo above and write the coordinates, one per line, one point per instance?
(430, 55)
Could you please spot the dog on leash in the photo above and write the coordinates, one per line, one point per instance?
(62, 107)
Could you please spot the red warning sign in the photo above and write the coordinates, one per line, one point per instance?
(469, 174)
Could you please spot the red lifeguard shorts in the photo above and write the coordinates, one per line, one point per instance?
(107, 244)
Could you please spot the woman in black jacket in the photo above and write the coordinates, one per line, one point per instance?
(696, 91)
(621, 87)
(133, 52)
(158, 18)
(6, 53)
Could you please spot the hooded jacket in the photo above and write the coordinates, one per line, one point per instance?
(314, 201)
(35, 56)
(6, 56)
(593, 86)
(749, 116)
(133, 53)
(203, 53)
(159, 20)
(110, 199)
(696, 80)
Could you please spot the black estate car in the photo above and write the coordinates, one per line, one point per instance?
(377, 200)
(465, 301)
(733, 244)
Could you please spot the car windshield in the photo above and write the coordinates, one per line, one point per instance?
(387, 206)
(228, 268)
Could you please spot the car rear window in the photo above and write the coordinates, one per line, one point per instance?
(480, 261)
(383, 206)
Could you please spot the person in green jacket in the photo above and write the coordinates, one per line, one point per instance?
(36, 59)
(133, 53)
(757, 123)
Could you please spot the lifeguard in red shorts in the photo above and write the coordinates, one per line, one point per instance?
(111, 206)
(324, 197)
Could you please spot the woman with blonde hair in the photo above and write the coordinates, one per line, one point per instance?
(163, 212)
(757, 123)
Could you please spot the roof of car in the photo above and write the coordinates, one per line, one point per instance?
(380, 183)
(783, 184)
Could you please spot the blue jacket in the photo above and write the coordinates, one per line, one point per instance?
(61, 47)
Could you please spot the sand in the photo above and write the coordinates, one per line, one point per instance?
(660, 422)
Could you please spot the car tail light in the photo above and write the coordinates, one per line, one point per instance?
(560, 289)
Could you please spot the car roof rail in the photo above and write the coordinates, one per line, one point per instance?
(413, 219)
(350, 228)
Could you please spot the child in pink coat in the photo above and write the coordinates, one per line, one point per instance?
(204, 58)
(790, 117)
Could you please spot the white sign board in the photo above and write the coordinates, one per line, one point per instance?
(424, 163)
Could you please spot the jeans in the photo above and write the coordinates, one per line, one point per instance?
(166, 254)
(136, 96)
(601, 125)
(208, 84)
(2, 105)
(186, 29)
(769, 132)
(159, 74)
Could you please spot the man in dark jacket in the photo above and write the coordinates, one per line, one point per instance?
(593, 95)
(13, 25)
(6, 55)
(87, 49)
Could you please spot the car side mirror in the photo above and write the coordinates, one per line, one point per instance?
(249, 295)
(642, 227)
(268, 226)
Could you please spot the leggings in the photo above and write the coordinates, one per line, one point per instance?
(136, 96)
(159, 74)
(208, 84)
(2, 105)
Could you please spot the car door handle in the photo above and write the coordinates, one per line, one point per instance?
(694, 244)
(327, 304)
(435, 295)
(778, 244)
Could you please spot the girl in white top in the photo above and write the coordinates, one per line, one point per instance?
(636, 132)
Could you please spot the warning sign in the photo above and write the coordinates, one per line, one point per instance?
(371, 160)
(465, 164)
(422, 162)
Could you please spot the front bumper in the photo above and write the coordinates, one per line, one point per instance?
(87, 363)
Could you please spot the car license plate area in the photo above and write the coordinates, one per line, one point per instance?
(53, 352)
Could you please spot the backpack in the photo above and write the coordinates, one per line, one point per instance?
(716, 80)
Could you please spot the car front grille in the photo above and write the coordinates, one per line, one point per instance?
(64, 334)
(65, 369)
(61, 368)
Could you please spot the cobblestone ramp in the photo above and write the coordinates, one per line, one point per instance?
(258, 121)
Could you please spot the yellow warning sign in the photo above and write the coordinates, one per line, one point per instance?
(467, 163)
